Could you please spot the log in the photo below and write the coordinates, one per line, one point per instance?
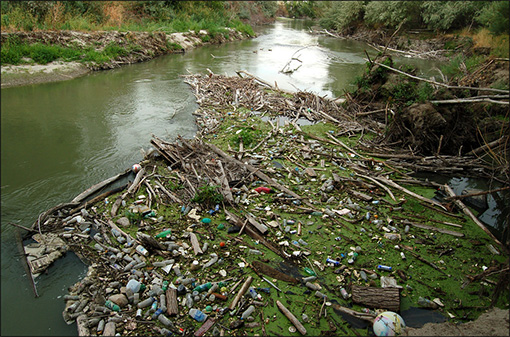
(80, 197)
(468, 100)
(432, 228)
(170, 195)
(360, 315)
(291, 317)
(195, 244)
(115, 206)
(224, 183)
(205, 327)
(487, 146)
(441, 84)
(478, 193)
(405, 190)
(260, 227)
(468, 212)
(272, 273)
(172, 308)
(241, 292)
(132, 188)
(375, 297)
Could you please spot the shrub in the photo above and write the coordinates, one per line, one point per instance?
(208, 196)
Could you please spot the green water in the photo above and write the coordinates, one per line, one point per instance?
(58, 139)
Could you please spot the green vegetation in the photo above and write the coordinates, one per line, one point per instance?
(208, 196)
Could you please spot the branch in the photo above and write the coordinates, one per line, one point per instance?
(440, 84)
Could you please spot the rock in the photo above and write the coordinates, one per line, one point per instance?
(124, 221)
(109, 329)
(119, 299)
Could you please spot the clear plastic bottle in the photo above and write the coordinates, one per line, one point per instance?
(426, 303)
(248, 312)
(198, 315)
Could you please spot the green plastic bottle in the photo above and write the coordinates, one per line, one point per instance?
(310, 272)
(203, 287)
(110, 305)
(164, 234)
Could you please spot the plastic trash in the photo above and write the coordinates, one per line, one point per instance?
(134, 285)
(110, 305)
(426, 303)
(248, 312)
(141, 249)
(344, 293)
(163, 319)
(145, 303)
(198, 315)
(383, 267)
(164, 234)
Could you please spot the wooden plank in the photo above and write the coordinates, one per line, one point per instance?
(172, 308)
(375, 297)
(260, 227)
(206, 326)
(291, 318)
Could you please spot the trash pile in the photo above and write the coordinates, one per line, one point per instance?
(263, 227)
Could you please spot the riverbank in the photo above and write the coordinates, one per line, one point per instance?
(148, 46)
(301, 213)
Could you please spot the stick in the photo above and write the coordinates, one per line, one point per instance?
(291, 318)
(80, 197)
(432, 228)
(486, 146)
(378, 184)
(456, 197)
(137, 179)
(441, 84)
(417, 196)
(468, 212)
(241, 292)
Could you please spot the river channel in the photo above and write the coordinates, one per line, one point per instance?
(58, 139)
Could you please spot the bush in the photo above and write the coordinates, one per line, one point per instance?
(343, 14)
(446, 15)
(495, 16)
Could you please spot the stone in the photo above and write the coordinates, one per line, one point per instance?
(119, 299)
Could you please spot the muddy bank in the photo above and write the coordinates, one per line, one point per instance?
(148, 46)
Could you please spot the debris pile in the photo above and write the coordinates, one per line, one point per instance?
(269, 228)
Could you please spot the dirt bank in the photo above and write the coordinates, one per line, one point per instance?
(492, 323)
(148, 46)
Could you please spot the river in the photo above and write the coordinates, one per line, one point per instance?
(58, 139)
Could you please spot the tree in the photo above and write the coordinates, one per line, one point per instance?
(495, 16)
(446, 15)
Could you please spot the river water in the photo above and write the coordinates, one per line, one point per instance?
(58, 139)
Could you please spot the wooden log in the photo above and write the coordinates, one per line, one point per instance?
(24, 261)
(405, 190)
(172, 307)
(271, 272)
(132, 188)
(291, 318)
(195, 244)
(205, 327)
(361, 315)
(468, 212)
(432, 228)
(115, 206)
(488, 146)
(260, 227)
(375, 297)
(224, 184)
(241, 292)
(89, 191)
(170, 195)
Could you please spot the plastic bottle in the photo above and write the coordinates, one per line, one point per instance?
(311, 286)
(255, 251)
(141, 249)
(252, 292)
(248, 312)
(203, 287)
(309, 278)
(344, 293)
(164, 234)
(145, 303)
(163, 319)
(110, 305)
(319, 294)
(134, 285)
(198, 315)
(426, 303)
(157, 313)
(335, 262)
(100, 327)
(382, 267)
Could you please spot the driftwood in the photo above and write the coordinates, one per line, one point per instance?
(241, 292)
(360, 315)
(405, 190)
(24, 261)
(441, 84)
(134, 185)
(195, 244)
(469, 100)
(168, 193)
(91, 190)
(468, 212)
(172, 307)
(378, 184)
(456, 197)
(291, 317)
(487, 146)
(271, 272)
(432, 228)
(374, 297)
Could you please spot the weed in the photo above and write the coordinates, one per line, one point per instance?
(208, 196)
(247, 135)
